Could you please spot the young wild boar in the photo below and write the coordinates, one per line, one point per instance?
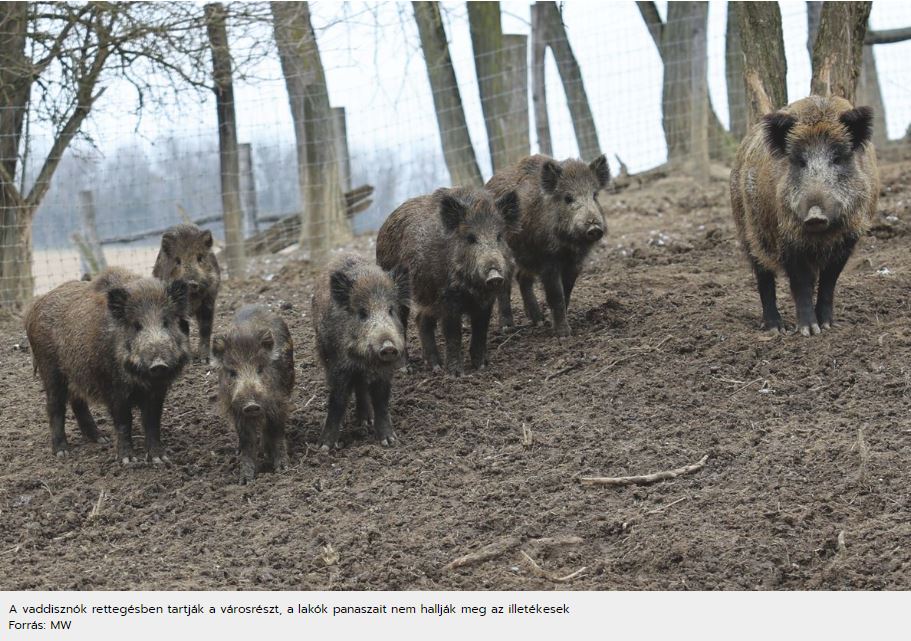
(120, 340)
(453, 245)
(255, 380)
(360, 340)
(803, 190)
(186, 254)
(561, 220)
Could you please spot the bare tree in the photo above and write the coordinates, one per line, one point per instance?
(551, 24)
(764, 63)
(487, 46)
(838, 48)
(323, 212)
(447, 101)
(538, 88)
(733, 68)
(216, 25)
(65, 50)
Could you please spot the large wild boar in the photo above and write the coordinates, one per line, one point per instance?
(255, 381)
(560, 221)
(360, 341)
(186, 254)
(803, 190)
(453, 245)
(120, 340)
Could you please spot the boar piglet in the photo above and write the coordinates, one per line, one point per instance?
(803, 190)
(120, 340)
(360, 342)
(255, 359)
(560, 221)
(453, 245)
(186, 254)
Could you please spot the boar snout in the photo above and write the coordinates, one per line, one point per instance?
(388, 351)
(158, 367)
(193, 286)
(252, 409)
(494, 277)
(594, 232)
(815, 219)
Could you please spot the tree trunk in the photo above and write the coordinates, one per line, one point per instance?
(248, 188)
(538, 84)
(16, 282)
(764, 64)
(227, 139)
(340, 135)
(684, 99)
(571, 76)
(838, 49)
(447, 101)
(305, 79)
(487, 46)
(92, 258)
(737, 100)
(516, 135)
(869, 93)
(814, 10)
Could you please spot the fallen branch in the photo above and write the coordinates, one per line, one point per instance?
(646, 479)
(486, 553)
(537, 569)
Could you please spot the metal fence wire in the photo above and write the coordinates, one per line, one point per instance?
(147, 155)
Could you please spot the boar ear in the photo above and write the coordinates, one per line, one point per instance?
(451, 212)
(859, 123)
(508, 206)
(218, 347)
(167, 242)
(777, 125)
(177, 292)
(601, 170)
(117, 303)
(402, 282)
(266, 340)
(340, 286)
(206, 236)
(550, 176)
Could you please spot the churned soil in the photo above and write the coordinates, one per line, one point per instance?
(807, 483)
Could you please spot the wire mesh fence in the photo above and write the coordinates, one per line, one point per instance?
(139, 166)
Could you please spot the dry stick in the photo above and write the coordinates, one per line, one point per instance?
(310, 401)
(645, 479)
(562, 371)
(508, 338)
(554, 541)
(489, 551)
(664, 507)
(537, 569)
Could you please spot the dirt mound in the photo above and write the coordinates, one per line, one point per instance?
(806, 484)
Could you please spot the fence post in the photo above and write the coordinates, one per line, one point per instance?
(517, 139)
(91, 256)
(247, 188)
(340, 135)
(323, 198)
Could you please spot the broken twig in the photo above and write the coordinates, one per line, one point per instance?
(489, 551)
(645, 479)
(537, 569)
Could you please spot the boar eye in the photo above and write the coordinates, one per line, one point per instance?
(176, 261)
(568, 199)
(362, 314)
(595, 195)
(165, 323)
(472, 239)
(137, 327)
(259, 370)
(391, 310)
(232, 373)
(201, 257)
(499, 237)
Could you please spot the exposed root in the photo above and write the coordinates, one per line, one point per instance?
(541, 572)
(486, 553)
(645, 479)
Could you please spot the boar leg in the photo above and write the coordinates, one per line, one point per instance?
(480, 322)
(504, 300)
(404, 310)
(275, 445)
(569, 275)
(361, 403)
(553, 291)
(452, 334)
(765, 282)
(427, 326)
(150, 409)
(527, 289)
(339, 390)
(380, 390)
(122, 415)
(56, 387)
(246, 447)
(84, 420)
(204, 317)
(803, 281)
(825, 297)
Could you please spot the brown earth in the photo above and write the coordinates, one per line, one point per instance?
(807, 484)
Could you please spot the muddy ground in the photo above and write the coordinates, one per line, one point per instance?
(807, 484)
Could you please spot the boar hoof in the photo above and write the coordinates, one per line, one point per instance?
(127, 460)
(280, 465)
(437, 368)
(160, 460)
(825, 325)
(809, 330)
(563, 331)
(388, 440)
(103, 440)
(61, 453)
